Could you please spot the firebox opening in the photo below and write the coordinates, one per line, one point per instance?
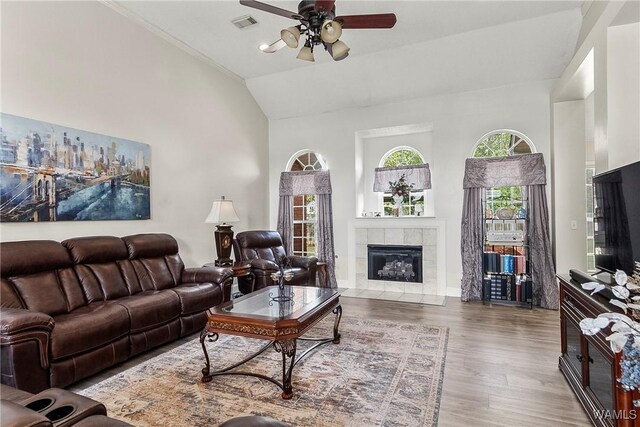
(399, 263)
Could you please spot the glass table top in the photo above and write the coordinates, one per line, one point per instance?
(260, 304)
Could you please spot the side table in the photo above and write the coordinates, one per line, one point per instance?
(246, 277)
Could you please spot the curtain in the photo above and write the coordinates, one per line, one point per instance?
(523, 169)
(520, 170)
(545, 286)
(471, 245)
(324, 235)
(319, 184)
(285, 222)
(418, 175)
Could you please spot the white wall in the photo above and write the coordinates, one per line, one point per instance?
(82, 65)
(623, 94)
(569, 154)
(459, 120)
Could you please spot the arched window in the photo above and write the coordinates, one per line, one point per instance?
(304, 206)
(503, 143)
(403, 156)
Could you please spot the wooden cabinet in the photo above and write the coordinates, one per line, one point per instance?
(589, 364)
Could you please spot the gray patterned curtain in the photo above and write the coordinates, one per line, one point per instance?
(285, 222)
(309, 182)
(524, 170)
(545, 286)
(418, 175)
(471, 244)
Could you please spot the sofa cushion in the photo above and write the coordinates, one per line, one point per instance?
(102, 281)
(32, 256)
(153, 274)
(8, 296)
(196, 297)
(150, 245)
(41, 292)
(87, 328)
(150, 309)
(96, 249)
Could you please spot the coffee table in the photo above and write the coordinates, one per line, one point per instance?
(257, 315)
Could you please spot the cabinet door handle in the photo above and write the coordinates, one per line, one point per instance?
(580, 357)
(590, 359)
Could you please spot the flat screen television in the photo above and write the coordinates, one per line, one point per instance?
(616, 218)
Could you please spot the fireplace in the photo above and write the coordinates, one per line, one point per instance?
(400, 263)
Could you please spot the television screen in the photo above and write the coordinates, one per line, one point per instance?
(616, 218)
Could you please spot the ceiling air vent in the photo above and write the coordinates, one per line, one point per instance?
(244, 21)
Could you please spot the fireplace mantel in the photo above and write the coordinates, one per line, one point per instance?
(425, 231)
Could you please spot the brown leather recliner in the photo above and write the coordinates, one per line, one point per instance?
(264, 251)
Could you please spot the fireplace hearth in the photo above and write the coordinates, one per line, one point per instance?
(400, 263)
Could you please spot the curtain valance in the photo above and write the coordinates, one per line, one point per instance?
(418, 175)
(305, 182)
(523, 169)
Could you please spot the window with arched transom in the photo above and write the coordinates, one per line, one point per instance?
(414, 204)
(304, 206)
(503, 143)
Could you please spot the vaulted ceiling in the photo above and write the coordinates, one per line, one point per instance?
(436, 47)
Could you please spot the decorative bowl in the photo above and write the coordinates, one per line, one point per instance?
(505, 213)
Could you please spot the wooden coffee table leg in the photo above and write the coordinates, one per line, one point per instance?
(336, 335)
(288, 350)
(212, 336)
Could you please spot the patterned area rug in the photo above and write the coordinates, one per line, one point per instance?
(381, 374)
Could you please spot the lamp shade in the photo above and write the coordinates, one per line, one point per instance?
(339, 50)
(290, 36)
(222, 211)
(331, 31)
(306, 54)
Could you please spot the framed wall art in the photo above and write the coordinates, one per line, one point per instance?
(55, 173)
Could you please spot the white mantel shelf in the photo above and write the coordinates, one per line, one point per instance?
(427, 231)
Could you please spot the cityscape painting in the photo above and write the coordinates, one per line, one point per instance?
(54, 173)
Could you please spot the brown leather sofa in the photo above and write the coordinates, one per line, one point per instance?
(263, 249)
(71, 309)
(52, 407)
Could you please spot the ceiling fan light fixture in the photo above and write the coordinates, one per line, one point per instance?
(306, 54)
(339, 50)
(330, 31)
(290, 36)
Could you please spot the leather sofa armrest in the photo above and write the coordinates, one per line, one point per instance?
(15, 415)
(206, 275)
(221, 276)
(263, 264)
(19, 326)
(302, 261)
(17, 320)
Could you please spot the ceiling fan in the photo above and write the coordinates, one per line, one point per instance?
(320, 25)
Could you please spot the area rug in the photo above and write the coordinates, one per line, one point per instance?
(381, 374)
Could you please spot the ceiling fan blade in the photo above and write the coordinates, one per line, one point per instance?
(379, 20)
(274, 47)
(325, 5)
(271, 9)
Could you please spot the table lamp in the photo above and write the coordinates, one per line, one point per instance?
(222, 212)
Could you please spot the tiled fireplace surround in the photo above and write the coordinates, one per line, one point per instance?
(427, 232)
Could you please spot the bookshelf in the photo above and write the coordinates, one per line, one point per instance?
(505, 261)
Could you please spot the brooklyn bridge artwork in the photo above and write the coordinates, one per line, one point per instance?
(54, 173)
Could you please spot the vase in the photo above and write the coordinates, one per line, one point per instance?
(397, 205)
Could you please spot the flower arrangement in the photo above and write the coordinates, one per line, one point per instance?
(401, 187)
(625, 329)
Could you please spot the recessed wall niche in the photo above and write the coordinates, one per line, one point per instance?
(371, 145)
